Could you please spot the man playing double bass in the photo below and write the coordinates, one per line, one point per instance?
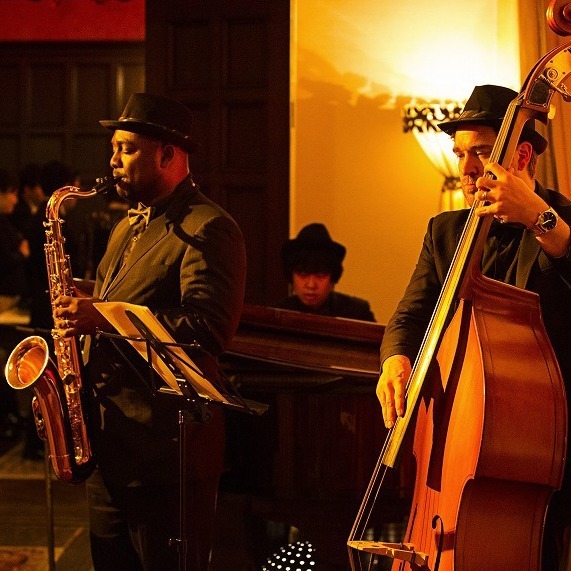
(528, 246)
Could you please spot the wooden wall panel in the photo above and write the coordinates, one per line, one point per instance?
(249, 207)
(53, 97)
(47, 95)
(246, 52)
(44, 148)
(10, 152)
(130, 78)
(191, 63)
(10, 101)
(245, 137)
(229, 62)
(91, 99)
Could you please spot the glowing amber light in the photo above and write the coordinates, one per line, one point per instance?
(422, 120)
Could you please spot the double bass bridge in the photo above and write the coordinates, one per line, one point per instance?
(400, 551)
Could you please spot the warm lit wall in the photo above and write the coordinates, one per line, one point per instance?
(355, 64)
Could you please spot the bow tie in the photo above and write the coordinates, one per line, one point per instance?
(140, 213)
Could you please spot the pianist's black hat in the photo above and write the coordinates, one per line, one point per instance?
(313, 251)
(487, 106)
(158, 117)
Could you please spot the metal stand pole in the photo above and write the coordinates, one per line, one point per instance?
(49, 508)
(184, 417)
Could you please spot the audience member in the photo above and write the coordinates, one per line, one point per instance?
(14, 252)
(31, 197)
(55, 174)
(14, 248)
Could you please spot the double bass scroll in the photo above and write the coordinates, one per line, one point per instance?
(559, 17)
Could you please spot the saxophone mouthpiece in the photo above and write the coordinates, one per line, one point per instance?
(105, 184)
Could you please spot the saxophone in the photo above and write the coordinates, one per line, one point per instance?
(59, 401)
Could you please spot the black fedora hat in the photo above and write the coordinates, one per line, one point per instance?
(313, 237)
(487, 106)
(155, 116)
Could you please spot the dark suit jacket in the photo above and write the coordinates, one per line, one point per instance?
(13, 278)
(550, 278)
(189, 268)
(336, 305)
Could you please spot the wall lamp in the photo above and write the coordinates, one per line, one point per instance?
(422, 120)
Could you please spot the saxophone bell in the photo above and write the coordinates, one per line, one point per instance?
(26, 362)
(29, 365)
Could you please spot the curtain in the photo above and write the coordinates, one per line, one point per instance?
(537, 39)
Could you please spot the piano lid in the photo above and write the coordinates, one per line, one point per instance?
(306, 341)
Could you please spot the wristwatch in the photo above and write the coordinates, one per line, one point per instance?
(545, 222)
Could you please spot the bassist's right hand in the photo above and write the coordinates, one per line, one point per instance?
(391, 386)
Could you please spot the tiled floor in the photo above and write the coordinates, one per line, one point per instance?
(246, 534)
(25, 529)
(26, 532)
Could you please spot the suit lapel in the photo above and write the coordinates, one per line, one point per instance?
(529, 248)
(528, 253)
(153, 234)
(116, 260)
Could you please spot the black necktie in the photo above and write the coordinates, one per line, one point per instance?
(138, 219)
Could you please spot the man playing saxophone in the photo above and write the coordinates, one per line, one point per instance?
(183, 257)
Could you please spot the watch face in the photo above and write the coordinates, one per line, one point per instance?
(548, 221)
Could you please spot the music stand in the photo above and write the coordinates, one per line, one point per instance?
(182, 378)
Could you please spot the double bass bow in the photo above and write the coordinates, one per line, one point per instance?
(487, 397)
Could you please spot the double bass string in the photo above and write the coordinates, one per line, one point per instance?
(370, 499)
(396, 434)
(371, 496)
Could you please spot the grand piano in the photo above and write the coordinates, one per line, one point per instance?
(307, 461)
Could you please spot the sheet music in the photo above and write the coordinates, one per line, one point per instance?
(114, 312)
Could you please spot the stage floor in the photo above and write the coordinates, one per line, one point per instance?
(24, 518)
(24, 522)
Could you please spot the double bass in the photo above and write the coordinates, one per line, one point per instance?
(486, 396)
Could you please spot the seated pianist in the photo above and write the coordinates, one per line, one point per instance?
(284, 458)
(312, 263)
(318, 378)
